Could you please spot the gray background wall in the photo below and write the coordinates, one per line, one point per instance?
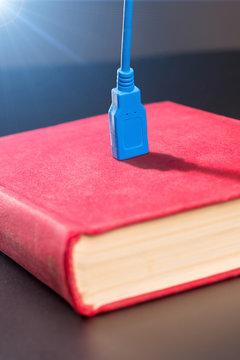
(66, 32)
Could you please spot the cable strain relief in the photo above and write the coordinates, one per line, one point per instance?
(125, 80)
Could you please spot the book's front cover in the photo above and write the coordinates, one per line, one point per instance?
(67, 171)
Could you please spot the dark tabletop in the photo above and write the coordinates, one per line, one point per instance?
(35, 323)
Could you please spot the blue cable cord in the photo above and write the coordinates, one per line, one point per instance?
(125, 75)
(127, 115)
(127, 35)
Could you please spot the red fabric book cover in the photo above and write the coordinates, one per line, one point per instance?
(60, 182)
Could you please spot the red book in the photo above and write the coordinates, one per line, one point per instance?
(83, 222)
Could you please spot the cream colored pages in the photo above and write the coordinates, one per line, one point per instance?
(157, 254)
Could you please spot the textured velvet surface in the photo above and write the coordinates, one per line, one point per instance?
(59, 182)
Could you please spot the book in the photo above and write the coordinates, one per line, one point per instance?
(105, 234)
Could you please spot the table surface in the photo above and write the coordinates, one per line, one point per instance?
(35, 323)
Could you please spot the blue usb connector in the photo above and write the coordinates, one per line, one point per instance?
(127, 115)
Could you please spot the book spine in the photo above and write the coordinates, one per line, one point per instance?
(35, 241)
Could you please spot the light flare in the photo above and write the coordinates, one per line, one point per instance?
(9, 11)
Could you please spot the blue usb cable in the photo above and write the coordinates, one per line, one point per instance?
(127, 115)
(127, 35)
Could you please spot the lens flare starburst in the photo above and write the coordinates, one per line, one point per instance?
(3, 4)
(9, 11)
